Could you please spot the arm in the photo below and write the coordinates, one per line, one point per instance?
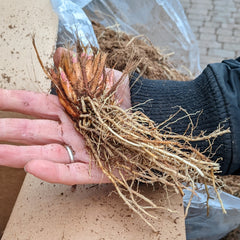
(216, 91)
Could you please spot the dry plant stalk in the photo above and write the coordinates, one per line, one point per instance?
(127, 146)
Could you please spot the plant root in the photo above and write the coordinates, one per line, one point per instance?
(126, 145)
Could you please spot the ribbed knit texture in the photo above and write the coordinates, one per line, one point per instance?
(206, 93)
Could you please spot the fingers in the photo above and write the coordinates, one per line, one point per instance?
(28, 131)
(18, 156)
(70, 174)
(30, 103)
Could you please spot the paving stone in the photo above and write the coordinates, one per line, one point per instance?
(198, 11)
(205, 60)
(221, 53)
(211, 24)
(199, 17)
(224, 31)
(237, 54)
(199, 7)
(235, 14)
(232, 46)
(229, 9)
(236, 32)
(227, 38)
(208, 37)
(195, 30)
(195, 23)
(207, 30)
(231, 21)
(216, 25)
(202, 4)
(196, 34)
(210, 44)
(183, 2)
(207, 2)
(222, 19)
(203, 51)
(224, 4)
(232, 26)
(237, 20)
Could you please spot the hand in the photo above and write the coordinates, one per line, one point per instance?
(123, 91)
(43, 153)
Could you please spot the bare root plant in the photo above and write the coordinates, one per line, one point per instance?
(127, 146)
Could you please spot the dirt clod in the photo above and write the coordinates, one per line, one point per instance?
(6, 77)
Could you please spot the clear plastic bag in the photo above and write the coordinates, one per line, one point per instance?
(163, 22)
(199, 226)
(73, 22)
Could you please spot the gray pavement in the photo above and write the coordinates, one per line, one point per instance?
(216, 25)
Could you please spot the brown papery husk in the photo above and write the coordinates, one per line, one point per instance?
(128, 147)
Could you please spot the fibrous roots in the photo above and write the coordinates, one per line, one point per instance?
(127, 146)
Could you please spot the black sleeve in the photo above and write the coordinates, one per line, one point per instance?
(216, 92)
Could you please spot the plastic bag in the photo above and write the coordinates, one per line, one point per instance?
(163, 22)
(199, 226)
(73, 22)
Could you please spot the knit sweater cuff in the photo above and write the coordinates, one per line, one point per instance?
(161, 99)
